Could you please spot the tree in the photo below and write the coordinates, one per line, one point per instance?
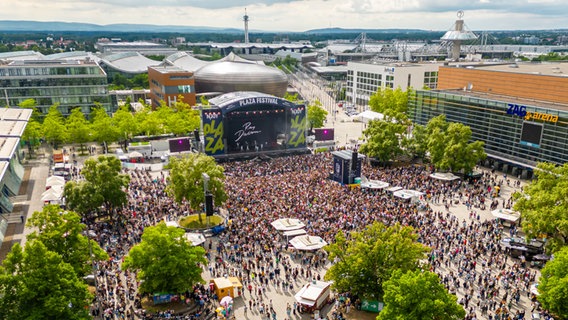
(316, 114)
(78, 128)
(450, 147)
(543, 206)
(62, 232)
(367, 260)
(103, 130)
(165, 260)
(125, 123)
(185, 181)
(37, 284)
(32, 135)
(553, 284)
(53, 127)
(417, 145)
(383, 140)
(418, 295)
(387, 99)
(104, 184)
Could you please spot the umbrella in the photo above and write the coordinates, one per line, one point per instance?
(226, 301)
(308, 243)
(287, 224)
(135, 154)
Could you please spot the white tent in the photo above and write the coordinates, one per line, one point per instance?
(444, 176)
(51, 195)
(54, 181)
(408, 194)
(308, 243)
(506, 214)
(314, 294)
(373, 184)
(287, 224)
(369, 115)
(394, 189)
(135, 154)
(195, 238)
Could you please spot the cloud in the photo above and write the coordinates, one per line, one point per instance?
(300, 15)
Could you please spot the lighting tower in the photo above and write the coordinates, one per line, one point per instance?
(246, 21)
(456, 36)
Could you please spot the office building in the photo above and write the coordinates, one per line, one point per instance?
(68, 84)
(365, 78)
(12, 125)
(167, 83)
(519, 110)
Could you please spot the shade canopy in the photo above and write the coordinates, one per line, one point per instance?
(408, 194)
(308, 243)
(506, 214)
(51, 195)
(54, 181)
(444, 176)
(195, 238)
(373, 184)
(309, 293)
(135, 154)
(287, 224)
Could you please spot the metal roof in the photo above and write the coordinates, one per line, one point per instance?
(8, 147)
(129, 62)
(15, 114)
(12, 128)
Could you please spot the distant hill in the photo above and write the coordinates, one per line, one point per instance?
(341, 30)
(20, 25)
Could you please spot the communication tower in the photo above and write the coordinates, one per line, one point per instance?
(457, 35)
(246, 21)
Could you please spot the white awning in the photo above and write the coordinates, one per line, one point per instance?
(308, 243)
(506, 214)
(373, 184)
(287, 224)
(195, 238)
(408, 194)
(444, 176)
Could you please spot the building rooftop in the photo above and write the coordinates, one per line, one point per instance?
(12, 128)
(8, 147)
(15, 114)
(555, 69)
(507, 99)
(169, 69)
(129, 62)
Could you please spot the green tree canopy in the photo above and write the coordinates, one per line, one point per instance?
(316, 114)
(62, 232)
(450, 147)
(53, 127)
(125, 123)
(36, 283)
(364, 262)
(32, 135)
(384, 140)
(102, 126)
(543, 205)
(417, 145)
(553, 284)
(387, 100)
(78, 127)
(103, 183)
(418, 295)
(185, 181)
(165, 260)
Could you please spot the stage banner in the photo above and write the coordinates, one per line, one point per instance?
(337, 169)
(297, 127)
(213, 132)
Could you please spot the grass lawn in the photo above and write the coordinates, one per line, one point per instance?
(192, 222)
(148, 305)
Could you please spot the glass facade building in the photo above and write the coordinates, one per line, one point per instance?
(517, 132)
(67, 84)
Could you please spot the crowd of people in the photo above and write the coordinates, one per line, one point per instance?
(466, 253)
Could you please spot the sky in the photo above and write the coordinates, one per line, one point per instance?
(300, 15)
